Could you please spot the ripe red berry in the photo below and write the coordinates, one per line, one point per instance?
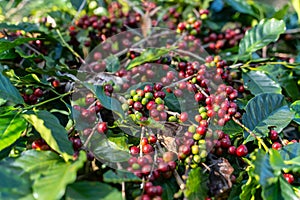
(144, 141)
(242, 150)
(55, 83)
(147, 149)
(152, 138)
(289, 178)
(102, 127)
(183, 117)
(38, 92)
(134, 150)
(232, 150)
(225, 143)
(276, 145)
(201, 130)
(273, 135)
(137, 106)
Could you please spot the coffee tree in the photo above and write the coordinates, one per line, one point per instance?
(149, 100)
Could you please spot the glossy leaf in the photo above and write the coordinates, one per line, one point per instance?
(8, 91)
(290, 151)
(170, 187)
(242, 7)
(265, 32)
(120, 176)
(51, 131)
(172, 102)
(7, 44)
(296, 108)
(92, 191)
(54, 181)
(296, 5)
(12, 185)
(149, 55)
(112, 63)
(108, 102)
(264, 111)
(232, 128)
(11, 127)
(263, 169)
(249, 189)
(107, 150)
(258, 82)
(196, 184)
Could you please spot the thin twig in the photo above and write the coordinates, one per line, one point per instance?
(190, 54)
(79, 10)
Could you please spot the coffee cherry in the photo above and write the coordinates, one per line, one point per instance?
(163, 167)
(134, 150)
(232, 150)
(147, 149)
(137, 106)
(38, 92)
(102, 127)
(225, 143)
(55, 83)
(152, 139)
(144, 141)
(289, 178)
(158, 86)
(276, 145)
(169, 156)
(183, 117)
(242, 150)
(273, 135)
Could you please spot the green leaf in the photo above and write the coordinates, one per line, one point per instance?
(296, 108)
(272, 191)
(232, 128)
(281, 75)
(54, 181)
(265, 32)
(290, 151)
(296, 5)
(112, 63)
(276, 160)
(286, 190)
(196, 184)
(149, 55)
(107, 150)
(280, 14)
(249, 189)
(264, 111)
(258, 82)
(263, 170)
(49, 172)
(28, 27)
(108, 102)
(12, 186)
(11, 127)
(242, 7)
(172, 102)
(7, 44)
(8, 91)
(76, 4)
(51, 131)
(120, 176)
(92, 191)
(170, 187)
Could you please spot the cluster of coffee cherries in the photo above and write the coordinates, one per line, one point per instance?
(223, 145)
(32, 95)
(40, 144)
(144, 162)
(193, 23)
(152, 192)
(227, 39)
(88, 112)
(147, 102)
(102, 27)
